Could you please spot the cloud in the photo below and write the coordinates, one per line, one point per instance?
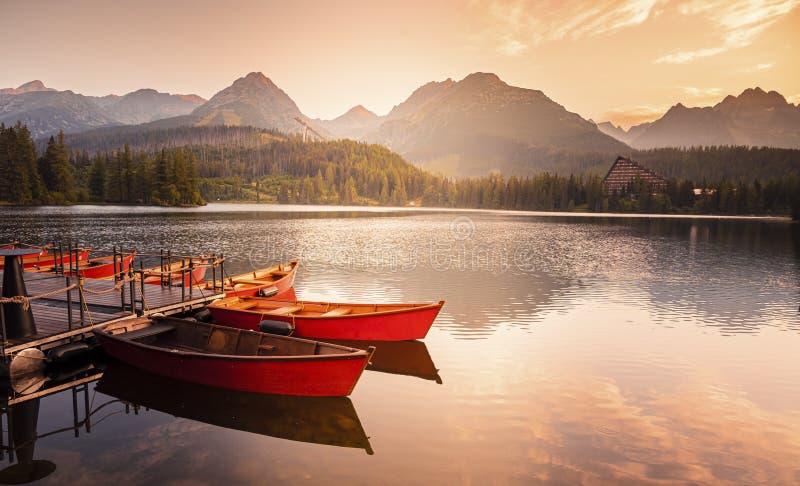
(515, 25)
(740, 22)
(794, 99)
(762, 67)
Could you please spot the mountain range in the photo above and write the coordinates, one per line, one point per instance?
(754, 118)
(46, 110)
(465, 127)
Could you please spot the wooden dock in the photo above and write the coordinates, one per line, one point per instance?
(65, 317)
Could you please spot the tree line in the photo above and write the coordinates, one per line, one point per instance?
(62, 176)
(244, 163)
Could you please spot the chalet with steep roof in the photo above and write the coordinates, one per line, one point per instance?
(622, 176)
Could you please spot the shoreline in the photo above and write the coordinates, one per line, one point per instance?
(303, 208)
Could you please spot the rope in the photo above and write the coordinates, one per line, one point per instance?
(116, 288)
(86, 305)
(25, 301)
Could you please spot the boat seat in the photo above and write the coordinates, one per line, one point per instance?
(249, 281)
(279, 273)
(243, 305)
(152, 330)
(339, 311)
(282, 311)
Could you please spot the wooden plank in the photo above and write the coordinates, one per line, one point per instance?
(55, 389)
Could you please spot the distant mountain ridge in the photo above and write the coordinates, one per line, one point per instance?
(480, 123)
(354, 123)
(252, 100)
(28, 87)
(754, 118)
(46, 110)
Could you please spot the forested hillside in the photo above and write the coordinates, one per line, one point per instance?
(184, 166)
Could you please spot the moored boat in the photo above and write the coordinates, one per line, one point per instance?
(275, 281)
(326, 320)
(46, 258)
(331, 421)
(104, 267)
(178, 272)
(232, 358)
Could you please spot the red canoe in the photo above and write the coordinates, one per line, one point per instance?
(278, 278)
(225, 357)
(177, 270)
(323, 320)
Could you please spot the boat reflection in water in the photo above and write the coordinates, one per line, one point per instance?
(320, 420)
(410, 358)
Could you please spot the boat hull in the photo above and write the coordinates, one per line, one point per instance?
(332, 376)
(105, 270)
(331, 421)
(49, 259)
(196, 276)
(410, 324)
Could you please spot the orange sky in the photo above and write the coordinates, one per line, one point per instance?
(626, 60)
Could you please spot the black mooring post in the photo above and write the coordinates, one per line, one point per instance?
(18, 321)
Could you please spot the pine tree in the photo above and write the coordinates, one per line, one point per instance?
(97, 179)
(56, 170)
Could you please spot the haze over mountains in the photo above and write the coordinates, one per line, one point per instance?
(466, 127)
(755, 118)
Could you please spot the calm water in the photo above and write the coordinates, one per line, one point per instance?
(570, 350)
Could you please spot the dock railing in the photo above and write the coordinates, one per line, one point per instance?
(174, 270)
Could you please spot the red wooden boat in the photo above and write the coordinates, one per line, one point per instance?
(324, 320)
(233, 358)
(49, 259)
(175, 271)
(276, 280)
(329, 421)
(104, 267)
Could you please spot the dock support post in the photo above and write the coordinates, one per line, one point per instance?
(132, 289)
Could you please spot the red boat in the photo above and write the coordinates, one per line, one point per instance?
(276, 280)
(97, 268)
(48, 259)
(324, 320)
(175, 271)
(105, 267)
(225, 357)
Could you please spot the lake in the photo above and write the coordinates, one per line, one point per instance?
(571, 349)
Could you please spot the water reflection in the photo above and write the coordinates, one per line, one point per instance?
(21, 423)
(319, 420)
(409, 358)
(574, 350)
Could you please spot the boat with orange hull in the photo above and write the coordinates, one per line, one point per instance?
(46, 258)
(330, 421)
(181, 272)
(231, 358)
(105, 267)
(276, 281)
(325, 320)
